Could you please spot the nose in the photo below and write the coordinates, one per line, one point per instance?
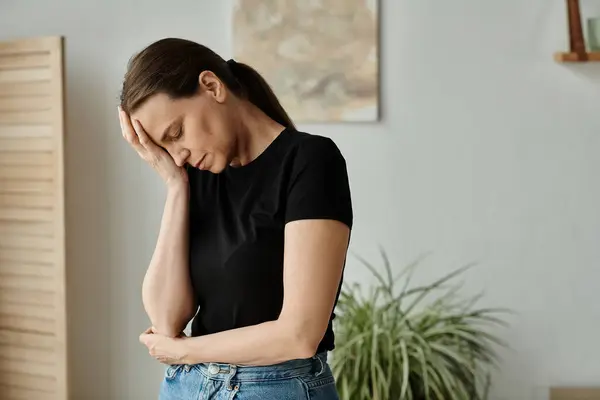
(181, 157)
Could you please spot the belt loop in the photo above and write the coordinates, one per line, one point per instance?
(321, 366)
(232, 371)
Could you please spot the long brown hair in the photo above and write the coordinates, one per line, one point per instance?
(171, 66)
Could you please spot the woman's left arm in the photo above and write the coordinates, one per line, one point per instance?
(317, 231)
(314, 257)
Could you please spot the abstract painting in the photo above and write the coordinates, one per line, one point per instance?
(320, 57)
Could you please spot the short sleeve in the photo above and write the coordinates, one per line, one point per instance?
(319, 186)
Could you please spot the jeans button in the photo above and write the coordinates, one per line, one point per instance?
(213, 369)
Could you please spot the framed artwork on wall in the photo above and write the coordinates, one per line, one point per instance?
(319, 56)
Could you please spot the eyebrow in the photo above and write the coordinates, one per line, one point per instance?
(168, 129)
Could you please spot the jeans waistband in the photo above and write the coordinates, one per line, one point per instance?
(315, 365)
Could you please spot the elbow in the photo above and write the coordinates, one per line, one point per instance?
(305, 350)
(300, 341)
(169, 323)
(169, 319)
(167, 329)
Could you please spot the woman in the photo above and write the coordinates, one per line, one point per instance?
(254, 233)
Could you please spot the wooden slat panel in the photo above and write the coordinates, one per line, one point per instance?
(30, 60)
(26, 75)
(25, 103)
(30, 303)
(25, 117)
(31, 45)
(27, 173)
(27, 310)
(27, 354)
(27, 324)
(24, 214)
(28, 228)
(27, 381)
(32, 187)
(38, 369)
(27, 242)
(23, 296)
(25, 89)
(22, 269)
(25, 282)
(28, 256)
(26, 158)
(25, 144)
(13, 393)
(26, 201)
(25, 131)
(30, 340)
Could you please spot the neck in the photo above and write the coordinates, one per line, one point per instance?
(255, 132)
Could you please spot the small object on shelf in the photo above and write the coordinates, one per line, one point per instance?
(593, 33)
(577, 48)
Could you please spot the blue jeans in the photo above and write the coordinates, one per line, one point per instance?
(305, 379)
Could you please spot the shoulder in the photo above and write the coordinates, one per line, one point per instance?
(307, 144)
(314, 151)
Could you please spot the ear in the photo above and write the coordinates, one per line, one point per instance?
(211, 85)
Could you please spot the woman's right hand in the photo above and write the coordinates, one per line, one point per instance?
(156, 156)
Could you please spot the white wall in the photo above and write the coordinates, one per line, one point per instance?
(487, 151)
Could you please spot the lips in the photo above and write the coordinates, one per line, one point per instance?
(199, 164)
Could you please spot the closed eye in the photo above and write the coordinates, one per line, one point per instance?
(178, 134)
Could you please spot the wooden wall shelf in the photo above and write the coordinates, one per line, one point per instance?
(575, 57)
(577, 46)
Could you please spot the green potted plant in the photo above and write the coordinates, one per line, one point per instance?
(400, 344)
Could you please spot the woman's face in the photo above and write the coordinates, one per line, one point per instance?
(197, 130)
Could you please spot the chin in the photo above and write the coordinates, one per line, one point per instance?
(217, 167)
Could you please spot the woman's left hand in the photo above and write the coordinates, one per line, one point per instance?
(167, 350)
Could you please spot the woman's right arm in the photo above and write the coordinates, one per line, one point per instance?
(167, 290)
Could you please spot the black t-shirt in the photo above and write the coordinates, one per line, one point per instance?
(237, 221)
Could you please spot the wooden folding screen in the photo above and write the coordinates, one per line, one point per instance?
(33, 356)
